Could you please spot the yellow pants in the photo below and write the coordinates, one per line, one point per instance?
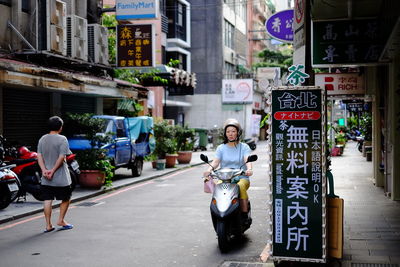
(244, 184)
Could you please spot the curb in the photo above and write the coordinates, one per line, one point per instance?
(102, 191)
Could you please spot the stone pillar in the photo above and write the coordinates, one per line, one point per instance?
(394, 120)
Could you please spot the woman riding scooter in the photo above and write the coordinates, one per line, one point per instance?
(233, 154)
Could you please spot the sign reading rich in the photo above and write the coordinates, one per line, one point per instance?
(135, 46)
(298, 174)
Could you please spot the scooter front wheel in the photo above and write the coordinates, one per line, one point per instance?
(223, 236)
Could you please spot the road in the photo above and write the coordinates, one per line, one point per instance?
(162, 222)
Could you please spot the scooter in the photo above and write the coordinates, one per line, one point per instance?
(29, 172)
(227, 218)
(252, 144)
(9, 183)
(9, 186)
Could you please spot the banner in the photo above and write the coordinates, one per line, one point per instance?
(298, 170)
(237, 91)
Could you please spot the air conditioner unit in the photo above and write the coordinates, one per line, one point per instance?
(77, 37)
(98, 44)
(56, 27)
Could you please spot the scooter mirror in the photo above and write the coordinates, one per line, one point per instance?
(252, 158)
(204, 158)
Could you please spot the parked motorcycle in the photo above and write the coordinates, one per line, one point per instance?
(360, 142)
(227, 218)
(252, 144)
(28, 170)
(9, 183)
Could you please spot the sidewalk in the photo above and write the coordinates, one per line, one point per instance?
(123, 178)
(371, 220)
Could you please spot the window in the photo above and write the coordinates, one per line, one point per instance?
(176, 13)
(229, 70)
(179, 56)
(228, 34)
(5, 2)
(26, 6)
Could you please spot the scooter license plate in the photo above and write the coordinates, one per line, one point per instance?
(74, 165)
(13, 187)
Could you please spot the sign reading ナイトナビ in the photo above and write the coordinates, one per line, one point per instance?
(298, 174)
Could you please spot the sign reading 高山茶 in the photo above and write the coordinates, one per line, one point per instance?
(135, 46)
(298, 173)
(346, 42)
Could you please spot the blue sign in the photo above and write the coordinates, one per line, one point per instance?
(280, 25)
(136, 9)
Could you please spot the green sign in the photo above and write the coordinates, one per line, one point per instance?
(346, 42)
(298, 165)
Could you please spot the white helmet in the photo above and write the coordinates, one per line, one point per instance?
(234, 123)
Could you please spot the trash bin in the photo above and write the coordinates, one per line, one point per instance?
(201, 139)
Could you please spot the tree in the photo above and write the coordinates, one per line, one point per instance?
(282, 58)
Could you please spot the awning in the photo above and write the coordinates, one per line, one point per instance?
(174, 103)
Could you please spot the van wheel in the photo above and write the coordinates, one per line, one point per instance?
(137, 167)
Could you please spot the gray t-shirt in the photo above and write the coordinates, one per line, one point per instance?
(51, 146)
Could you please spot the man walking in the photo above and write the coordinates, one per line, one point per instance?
(56, 181)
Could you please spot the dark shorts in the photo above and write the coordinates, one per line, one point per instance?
(56, 192)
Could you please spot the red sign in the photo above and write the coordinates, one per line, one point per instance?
(297, 115)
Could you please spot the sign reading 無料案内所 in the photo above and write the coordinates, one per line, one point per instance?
(298, 174)
(346, 42)
(134, 9)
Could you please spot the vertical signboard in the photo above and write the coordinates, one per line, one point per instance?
(135, 46)
(298, 188)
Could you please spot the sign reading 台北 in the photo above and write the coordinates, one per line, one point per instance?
(237, 91)
(134, 9)
(135, 46)
(298, 173)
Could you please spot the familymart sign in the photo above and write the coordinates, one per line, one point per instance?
(298, 173)
(134, 9)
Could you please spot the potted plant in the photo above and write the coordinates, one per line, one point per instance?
(171, 154)
(165, 142)
(96, 169)
(185, 137)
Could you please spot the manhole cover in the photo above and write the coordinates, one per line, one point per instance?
(87, 204)
(353, 264)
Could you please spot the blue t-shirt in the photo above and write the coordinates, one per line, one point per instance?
(233, 156)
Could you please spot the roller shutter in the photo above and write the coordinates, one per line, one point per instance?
(25, 115)
(77, 104)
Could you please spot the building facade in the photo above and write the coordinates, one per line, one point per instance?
(54, 60)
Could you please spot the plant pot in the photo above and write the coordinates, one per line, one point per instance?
(154, 164)
(160, 164)
(92, 178)
(184, 157)
(170, 160)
